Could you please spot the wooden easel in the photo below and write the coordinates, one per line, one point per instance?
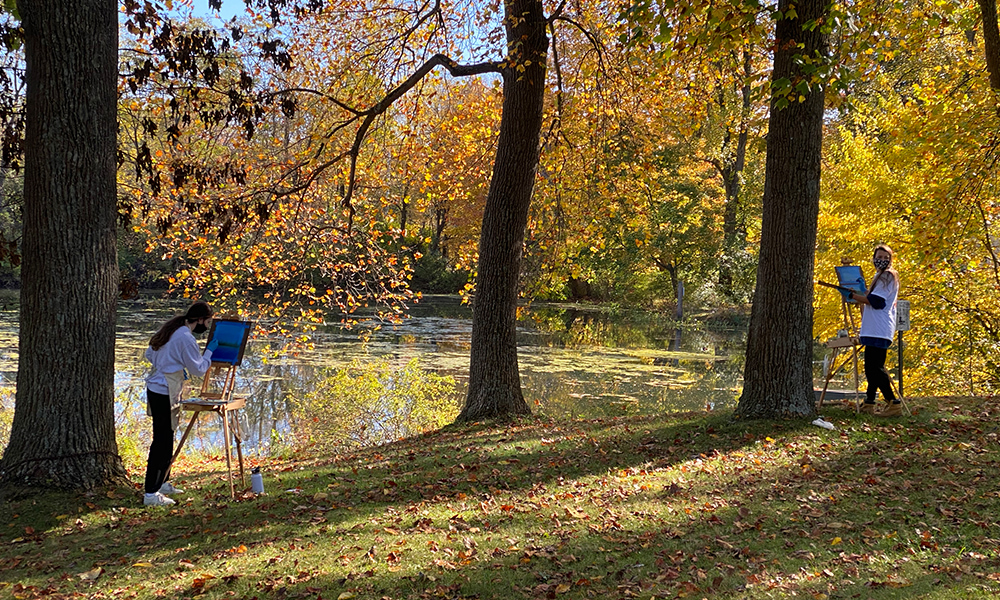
(219, 401)
(840, 345)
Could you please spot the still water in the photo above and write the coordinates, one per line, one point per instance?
(575, 361)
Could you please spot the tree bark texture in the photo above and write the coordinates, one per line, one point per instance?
(991, 40)
(494, 379)
(63, 433)
(778, 371)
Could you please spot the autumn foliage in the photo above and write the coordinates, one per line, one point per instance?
(257, 161)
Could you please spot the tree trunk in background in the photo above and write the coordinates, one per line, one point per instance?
(778, 371)
(63, 434)
(494, 379)
(731, 171)
(991, 40)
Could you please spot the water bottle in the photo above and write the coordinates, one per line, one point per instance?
(256, 481)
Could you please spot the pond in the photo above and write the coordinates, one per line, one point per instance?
(575, 361)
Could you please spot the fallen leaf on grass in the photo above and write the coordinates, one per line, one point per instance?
(143, 564)
(91, 575)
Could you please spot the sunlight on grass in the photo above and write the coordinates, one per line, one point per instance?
(686, 505)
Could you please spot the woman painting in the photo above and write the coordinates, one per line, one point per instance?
(174, 352)
(878, 325)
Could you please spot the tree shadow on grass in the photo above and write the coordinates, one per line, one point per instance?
(453, 465)
(735, 506)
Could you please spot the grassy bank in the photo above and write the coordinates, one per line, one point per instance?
(689, 505)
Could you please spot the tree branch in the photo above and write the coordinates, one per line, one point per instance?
(587, 34)
(557, 13)
(557, 122)
(371, 114)
(369, 117)
(323, 95)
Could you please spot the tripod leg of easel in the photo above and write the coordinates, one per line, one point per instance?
(895, 390)
(857, 385)
(180, 445)
(238, 437)
(229, 459)
(831, 369)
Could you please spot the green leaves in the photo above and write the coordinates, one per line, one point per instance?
(10, 7)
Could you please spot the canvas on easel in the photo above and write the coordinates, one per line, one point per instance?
(232, 335)
(850, 276)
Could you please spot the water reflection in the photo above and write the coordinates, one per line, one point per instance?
(575, 361)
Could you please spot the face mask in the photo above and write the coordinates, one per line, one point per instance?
(200, 328)
(881, 263)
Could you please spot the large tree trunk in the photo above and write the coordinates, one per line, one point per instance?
(494, 380)
(991, 40)
(778, 372)
(63, 434)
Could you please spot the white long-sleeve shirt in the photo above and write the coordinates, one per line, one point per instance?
(180, 352)
(881, 322)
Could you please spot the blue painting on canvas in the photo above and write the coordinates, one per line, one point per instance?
(232, 337)
(850, 276)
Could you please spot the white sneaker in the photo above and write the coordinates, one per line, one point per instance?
(168, 488)
(156, 499)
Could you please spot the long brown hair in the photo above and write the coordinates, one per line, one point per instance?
(892, 272)
(197, 311)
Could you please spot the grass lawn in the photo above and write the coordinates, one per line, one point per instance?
(684, 505)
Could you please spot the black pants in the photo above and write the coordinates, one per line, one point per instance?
(875, 373)
(162, 448)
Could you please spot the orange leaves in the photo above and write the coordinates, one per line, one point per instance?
(199, 582)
